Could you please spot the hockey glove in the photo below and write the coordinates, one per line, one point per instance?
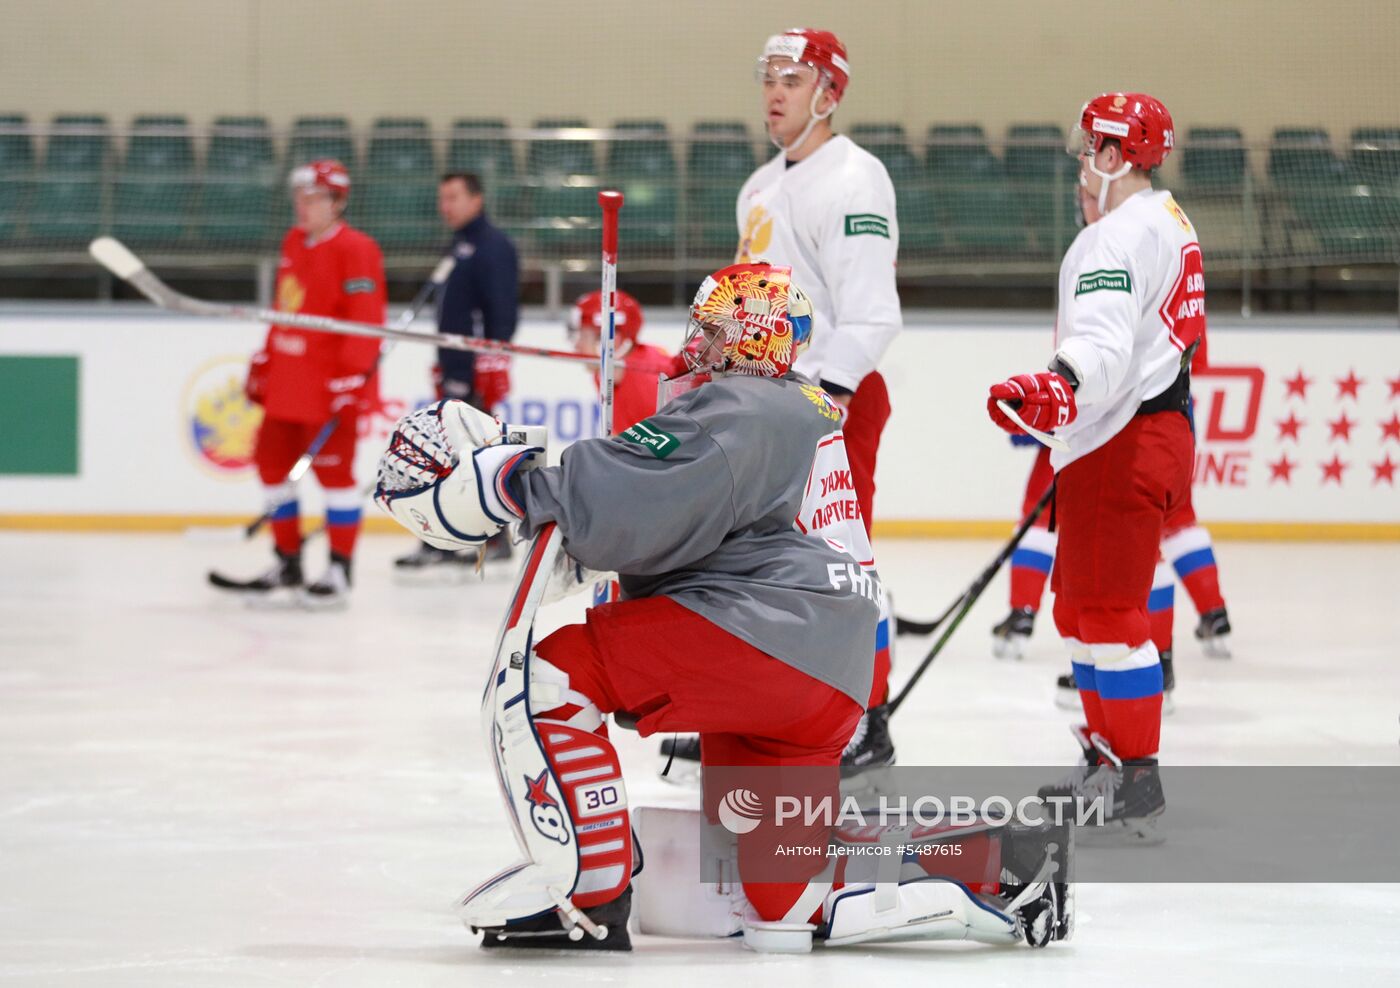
(255, 387)
(1045, 401)
(446, 475)
(492, 379)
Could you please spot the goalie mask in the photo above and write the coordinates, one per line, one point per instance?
(748, 319)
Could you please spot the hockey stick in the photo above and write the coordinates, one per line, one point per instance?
(908, 626)
(113, 255)
(611, 202)
(304, 461)
(969, 596)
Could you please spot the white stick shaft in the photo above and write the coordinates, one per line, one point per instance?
(115, 257)
(1044, 438)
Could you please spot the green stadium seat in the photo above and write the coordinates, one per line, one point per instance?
(400, 146)
(976, 208)
(1301, 157)
(566, 220)
(314, 138)
(243, 187)
(1043, 182)
(1213, 159)
(396, 201)
(1375, 155)
(720, 158)
(480, 146)
(16, 173)
(920, 229)
(888, 143)
(557, 157)
(154, 194)
(648, 219)
(399, 213)
(67, 204)
(914, 198)
(646, 155)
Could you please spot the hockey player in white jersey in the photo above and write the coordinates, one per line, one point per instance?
(826, 208)
(1131, 312)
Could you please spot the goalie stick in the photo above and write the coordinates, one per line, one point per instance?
(113, 255)
(964, 603)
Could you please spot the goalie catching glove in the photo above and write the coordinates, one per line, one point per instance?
(446, 475)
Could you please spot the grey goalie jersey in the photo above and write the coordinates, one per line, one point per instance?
(735, 501)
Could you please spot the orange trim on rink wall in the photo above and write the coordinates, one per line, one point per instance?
(1250, 531)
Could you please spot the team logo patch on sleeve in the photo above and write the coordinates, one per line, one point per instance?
(358, 286)
(661, 444)
(872, 223)
(1103, 281)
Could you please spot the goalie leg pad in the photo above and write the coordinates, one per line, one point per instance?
(563, 786)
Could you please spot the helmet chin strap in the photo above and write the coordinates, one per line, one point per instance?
(1108, 180)
(813, 117)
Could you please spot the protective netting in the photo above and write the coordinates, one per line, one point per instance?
(966, 198)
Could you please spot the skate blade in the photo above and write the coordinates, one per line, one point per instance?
(280, 599)
(1217, 647)
(1141, 832)
(309, 603)
(1066, 700)
(1010, 649)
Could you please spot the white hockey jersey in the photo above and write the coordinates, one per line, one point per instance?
(1132, 299)
(831, 218)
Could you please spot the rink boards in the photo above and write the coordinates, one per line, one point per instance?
(136, 420)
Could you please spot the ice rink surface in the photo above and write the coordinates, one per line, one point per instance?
(195, 793)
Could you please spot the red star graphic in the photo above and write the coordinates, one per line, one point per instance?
(1341, 429)
(1349, 386)
(1333, 470)
(1288, 428)
(1282, 470)
(1297, 385)
(538, 792)
(1391, 429)
(1385, 470)
(1394, 383)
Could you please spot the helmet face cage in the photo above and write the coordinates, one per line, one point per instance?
(748, 319)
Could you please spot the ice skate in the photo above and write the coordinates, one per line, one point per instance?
(1213, 632)
(598, 928)
(332, 590)
(277, 585)
(871, 746)
(1131, 792)
(1010, 636)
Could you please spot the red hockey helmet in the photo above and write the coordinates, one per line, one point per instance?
(324, 173)
(1140, 124)
(820, 49)
(748, 319)
(588, 314)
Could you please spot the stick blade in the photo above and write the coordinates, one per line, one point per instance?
(1044, 438)
(114, 255)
